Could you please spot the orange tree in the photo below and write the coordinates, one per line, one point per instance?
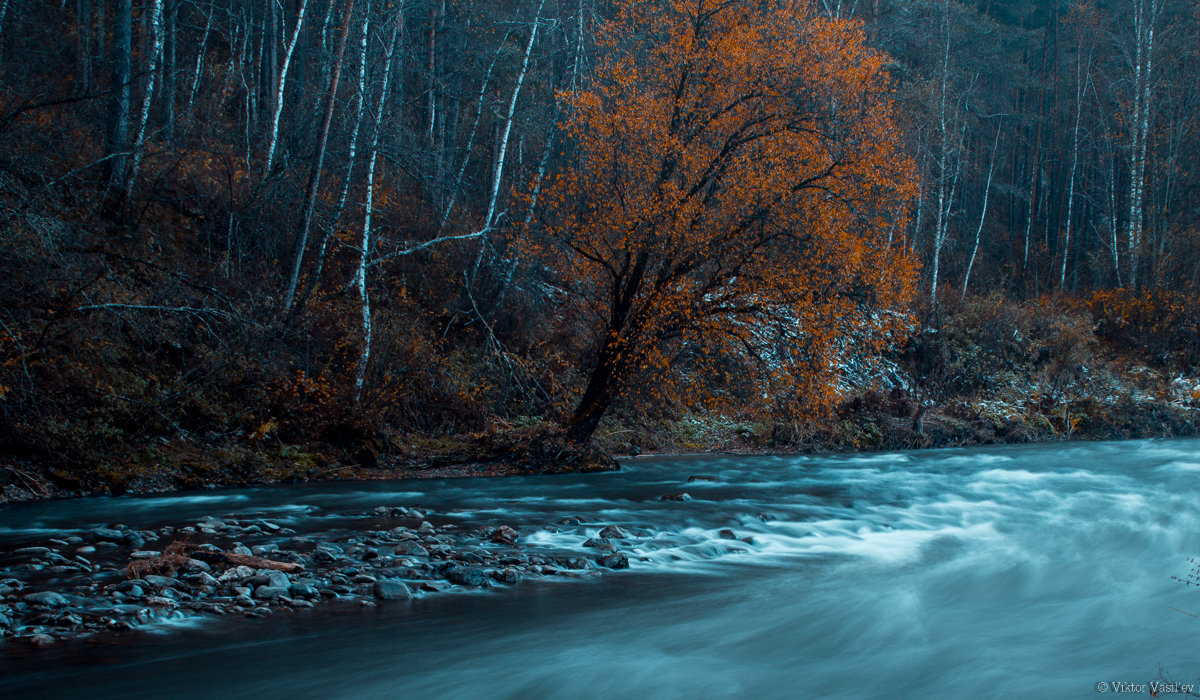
(733, 185)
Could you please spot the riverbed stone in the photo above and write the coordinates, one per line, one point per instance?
(466, 576)
(411, 548)
(391, 589)
(616, 560)
(683, 496)
(33, 551)
(159, 581)
(108, 534)
(269, 592)
(614, 532)
(505, 535)
(48, 599)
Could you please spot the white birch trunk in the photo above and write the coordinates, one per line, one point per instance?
(155, 22)
(359, 98)
(470, 139)
(200, 58)
(508, 122)
(982, 213)
(283, 72)
(1080, 88)
(364, 250)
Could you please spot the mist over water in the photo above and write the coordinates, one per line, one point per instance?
(954, 573)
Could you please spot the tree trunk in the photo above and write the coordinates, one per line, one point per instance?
(118, 123)
(498, 173)
(596, 399)
(364, 250)
(1080, 88)
(200, 58)
(359, 100)
(148, 97)
(278, 99)
(982, 212)
(314, 178)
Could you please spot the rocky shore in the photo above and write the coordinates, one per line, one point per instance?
(103, 582)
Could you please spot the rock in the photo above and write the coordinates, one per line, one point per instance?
(161, 602)
(194, 565)
(269, 592)
(48, 599)
(676, 497)
(5, 623)
(86, 549)
(237, 573)
(411, 548)
(426, 528)
(206, 579)
(159, 581)
(505, 535)
(242, 549)
(701, 477)
(598, 543)
(262, 550)
(135, 540)
(727, 534)
(466, 576)
(614, 532)
(304, 590)
(33, 551)
(574, 563)
(616, 560)
(392, 589)
(144, 554)
(106, 534)
(41, 641)
(508, 575)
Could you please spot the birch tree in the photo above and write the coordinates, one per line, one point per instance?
(148, 95)
(314, 179)
(278, 101)
(364, 249)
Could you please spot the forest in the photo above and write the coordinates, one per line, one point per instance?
(248, 241)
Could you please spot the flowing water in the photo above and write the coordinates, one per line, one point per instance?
(989, 572)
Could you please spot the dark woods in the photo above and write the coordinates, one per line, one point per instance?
(264, 238)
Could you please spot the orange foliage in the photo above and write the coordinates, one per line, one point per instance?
(736, 174)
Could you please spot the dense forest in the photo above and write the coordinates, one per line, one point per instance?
(250, 240)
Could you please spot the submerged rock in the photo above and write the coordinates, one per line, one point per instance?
(685, 496)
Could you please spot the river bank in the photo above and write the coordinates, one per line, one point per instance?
(871, 422)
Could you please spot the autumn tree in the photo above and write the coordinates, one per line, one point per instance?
(735, 177)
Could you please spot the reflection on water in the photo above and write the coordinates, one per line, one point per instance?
(957, 573)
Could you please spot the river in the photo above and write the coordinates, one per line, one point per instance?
(985, 572)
